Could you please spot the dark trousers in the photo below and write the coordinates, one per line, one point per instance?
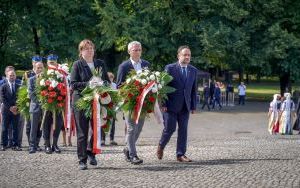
(35, 133)
(206, 103)
(170, 121)
(242, 99)
(28, 127)
(48, 125)
(20, 129)
(217, 100)
(84, 146)
(9, 119)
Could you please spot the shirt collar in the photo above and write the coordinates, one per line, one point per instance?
(133, 62)
(181, 65)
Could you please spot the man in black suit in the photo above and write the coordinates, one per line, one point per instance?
(10, 115)
(180, 103)
(133, 130)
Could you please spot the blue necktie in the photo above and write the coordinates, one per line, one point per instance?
(13, 88)
(184, 73)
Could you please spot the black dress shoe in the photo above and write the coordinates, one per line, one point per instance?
(3, 148)
(82, 166)
(32, 150)
(92, 160)
(56, 149)
(135, 160)
(48, 150)
(126, 153)
(38, 148)
(16, 148)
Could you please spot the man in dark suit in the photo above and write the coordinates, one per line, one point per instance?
(133, 130)
(25, 79)
(179, 104)
(35, 111)
(10, 114)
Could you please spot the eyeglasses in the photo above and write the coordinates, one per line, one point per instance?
(136, 50)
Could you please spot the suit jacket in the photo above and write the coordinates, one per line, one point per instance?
(34, 103)
(125, 67)
(8, 98)
(186, 91)
(81, 74)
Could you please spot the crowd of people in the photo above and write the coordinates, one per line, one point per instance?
(176, 109)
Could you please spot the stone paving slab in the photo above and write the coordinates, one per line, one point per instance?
(229, 148)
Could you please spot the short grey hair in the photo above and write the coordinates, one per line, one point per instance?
(132, 44)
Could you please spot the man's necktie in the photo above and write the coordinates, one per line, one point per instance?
(184, 73)
(13, 88)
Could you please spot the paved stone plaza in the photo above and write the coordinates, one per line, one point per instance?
(230, 148)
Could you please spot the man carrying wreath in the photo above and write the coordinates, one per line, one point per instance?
(133, 130)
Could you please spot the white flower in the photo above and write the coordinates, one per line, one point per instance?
(159, 86)
(65, 67)
(50, 71)
(27, 104)
(162, 83)
(157, 73)
(53, 83)
(154, 90)
(144, 81)
(152, 77)
(128, 80)
(58, 75)
(138, 72)
(134, 77)
(42, 82)
(103, 113)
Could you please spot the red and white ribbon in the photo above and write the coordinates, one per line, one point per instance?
(140, 101)
(157, 113)
(96, 123)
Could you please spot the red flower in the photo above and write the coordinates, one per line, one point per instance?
(110, 105)
(152, 99)
(130, 95)
(50, 100)
(104, 126)
(63, 92)
(44, 93)
(103, 95)
(50, 88)
(52, 94)
(60, 105)
(47, 82)
(60, 98)
(60, 86)
(149, 111)
(136, 83)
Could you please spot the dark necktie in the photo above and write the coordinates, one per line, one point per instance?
(184, 73)
(13, 88)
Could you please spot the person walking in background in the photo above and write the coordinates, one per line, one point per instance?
(287, 113)
(211, 91)
(81, 77)
(180, 103)
(133, 130)
(206, 94)
(217, 96)
(297, 122)
(242, 93)
(273, 125)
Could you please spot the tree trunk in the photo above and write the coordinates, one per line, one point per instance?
(285, 83)
(241, 74)
(36, 41)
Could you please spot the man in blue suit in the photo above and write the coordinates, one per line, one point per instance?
(180, 103)
(133, 130)
(9, 110)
